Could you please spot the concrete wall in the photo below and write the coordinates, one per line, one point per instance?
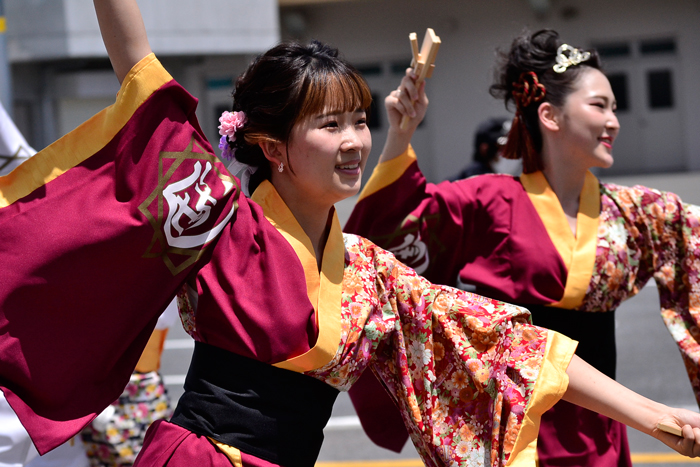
(374, 31)
(60, 29)
(61, 73)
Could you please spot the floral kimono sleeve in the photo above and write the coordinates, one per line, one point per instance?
(668, 232)
(470, 375)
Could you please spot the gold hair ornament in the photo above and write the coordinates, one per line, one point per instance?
(574, 57)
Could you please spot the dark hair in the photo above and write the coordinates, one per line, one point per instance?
(285, 85)
(534, 53)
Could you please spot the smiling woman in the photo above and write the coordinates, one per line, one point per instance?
(554, 239)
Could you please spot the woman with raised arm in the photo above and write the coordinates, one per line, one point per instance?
(554, 239)
(285, 309)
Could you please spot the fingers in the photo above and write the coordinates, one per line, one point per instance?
(403, 103)
(688, 443)
(691, 441)
(408, 96)
(408, 84)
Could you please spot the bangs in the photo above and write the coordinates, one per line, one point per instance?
(335, 91)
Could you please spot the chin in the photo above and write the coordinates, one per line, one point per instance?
(604, 161)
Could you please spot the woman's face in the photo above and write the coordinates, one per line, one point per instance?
(328, 153)
(588, 122)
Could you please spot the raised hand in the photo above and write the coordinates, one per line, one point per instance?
(409, 100)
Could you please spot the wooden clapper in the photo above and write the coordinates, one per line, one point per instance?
(423, 62)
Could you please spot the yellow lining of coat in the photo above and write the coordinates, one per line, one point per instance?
(233, 454)
(388, 172)
(324, 289)
(550, 386)
(150, 357)
(146, 77)
(578, 253)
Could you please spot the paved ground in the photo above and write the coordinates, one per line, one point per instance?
(648, 362)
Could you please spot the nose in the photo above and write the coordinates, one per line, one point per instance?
(352, 142)
(613, 124)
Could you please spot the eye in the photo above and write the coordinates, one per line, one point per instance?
(361, 121)
(330, 124)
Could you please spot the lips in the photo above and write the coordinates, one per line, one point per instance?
(606, 141)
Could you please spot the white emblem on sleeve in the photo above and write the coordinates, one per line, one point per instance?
(413, 252)
(181, 217)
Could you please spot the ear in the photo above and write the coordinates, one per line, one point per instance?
(273, 151)
(549, 116)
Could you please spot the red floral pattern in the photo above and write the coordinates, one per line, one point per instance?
(461, 367)
(645, 233)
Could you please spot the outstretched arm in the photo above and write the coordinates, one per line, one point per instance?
(123, 33)
(593, 390)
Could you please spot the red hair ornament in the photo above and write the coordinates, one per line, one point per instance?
(526, 91)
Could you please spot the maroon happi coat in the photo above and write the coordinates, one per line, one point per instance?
(133, 200)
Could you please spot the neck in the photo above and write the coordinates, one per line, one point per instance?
(565, 178)
(313, 218)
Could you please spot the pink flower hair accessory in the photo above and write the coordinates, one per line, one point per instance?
(231, 122)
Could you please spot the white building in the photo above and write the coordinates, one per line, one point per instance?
(650, 49)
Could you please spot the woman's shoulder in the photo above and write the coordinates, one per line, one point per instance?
(638, 193)
(487, 188)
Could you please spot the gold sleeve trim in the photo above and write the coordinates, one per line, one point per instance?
(140, 83)
(578, 253)
(551, 385)
(388, 172)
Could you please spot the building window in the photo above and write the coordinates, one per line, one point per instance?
(660, 89)
(618, 82)
(614, 50)
(370, 70)
(374, 121)
(662, 46)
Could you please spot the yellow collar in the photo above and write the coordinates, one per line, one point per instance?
(578, 253)
(324, 289)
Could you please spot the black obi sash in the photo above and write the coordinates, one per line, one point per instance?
(268, 412)
(594, 331)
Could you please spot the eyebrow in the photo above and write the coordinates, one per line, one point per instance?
(333, 114)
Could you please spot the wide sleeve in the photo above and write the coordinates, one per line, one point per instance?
(471, 375)
(97, 233)
(668, 232)
(426, 226)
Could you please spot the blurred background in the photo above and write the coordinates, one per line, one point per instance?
(651, 48)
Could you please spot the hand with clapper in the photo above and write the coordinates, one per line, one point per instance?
(407, 104)
(423, 62)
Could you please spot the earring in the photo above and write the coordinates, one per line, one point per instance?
(280, 168)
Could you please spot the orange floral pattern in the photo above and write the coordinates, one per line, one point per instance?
(460, 366)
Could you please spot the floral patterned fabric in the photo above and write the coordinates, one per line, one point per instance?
(115, 438)
(645, 233)
(461, 367)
